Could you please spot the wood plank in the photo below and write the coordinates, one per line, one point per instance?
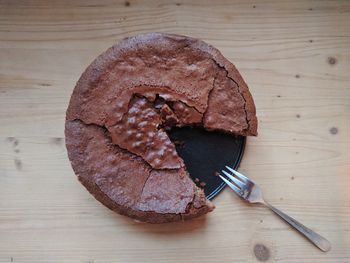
(294, 55)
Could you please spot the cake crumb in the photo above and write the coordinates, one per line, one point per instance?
(179, 143)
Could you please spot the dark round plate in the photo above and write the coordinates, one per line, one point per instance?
(207, 152)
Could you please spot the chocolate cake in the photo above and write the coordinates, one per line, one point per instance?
(124, 104)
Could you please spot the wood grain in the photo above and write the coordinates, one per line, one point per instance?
(294, 55)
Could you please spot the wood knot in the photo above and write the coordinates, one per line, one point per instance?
(18, 164)
(332, 60)
(261, 252)
(13, 140)
(333, 130)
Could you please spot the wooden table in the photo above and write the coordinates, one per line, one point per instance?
(295, 57)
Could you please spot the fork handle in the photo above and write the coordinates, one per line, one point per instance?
(315, 238)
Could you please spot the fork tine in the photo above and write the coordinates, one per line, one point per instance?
(231, 185)
(239, 175)
(235, 180)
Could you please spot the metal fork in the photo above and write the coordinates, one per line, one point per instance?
(251, 192)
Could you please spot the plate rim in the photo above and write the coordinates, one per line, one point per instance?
(218, 189)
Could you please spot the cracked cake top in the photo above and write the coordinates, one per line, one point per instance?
(132, 94)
